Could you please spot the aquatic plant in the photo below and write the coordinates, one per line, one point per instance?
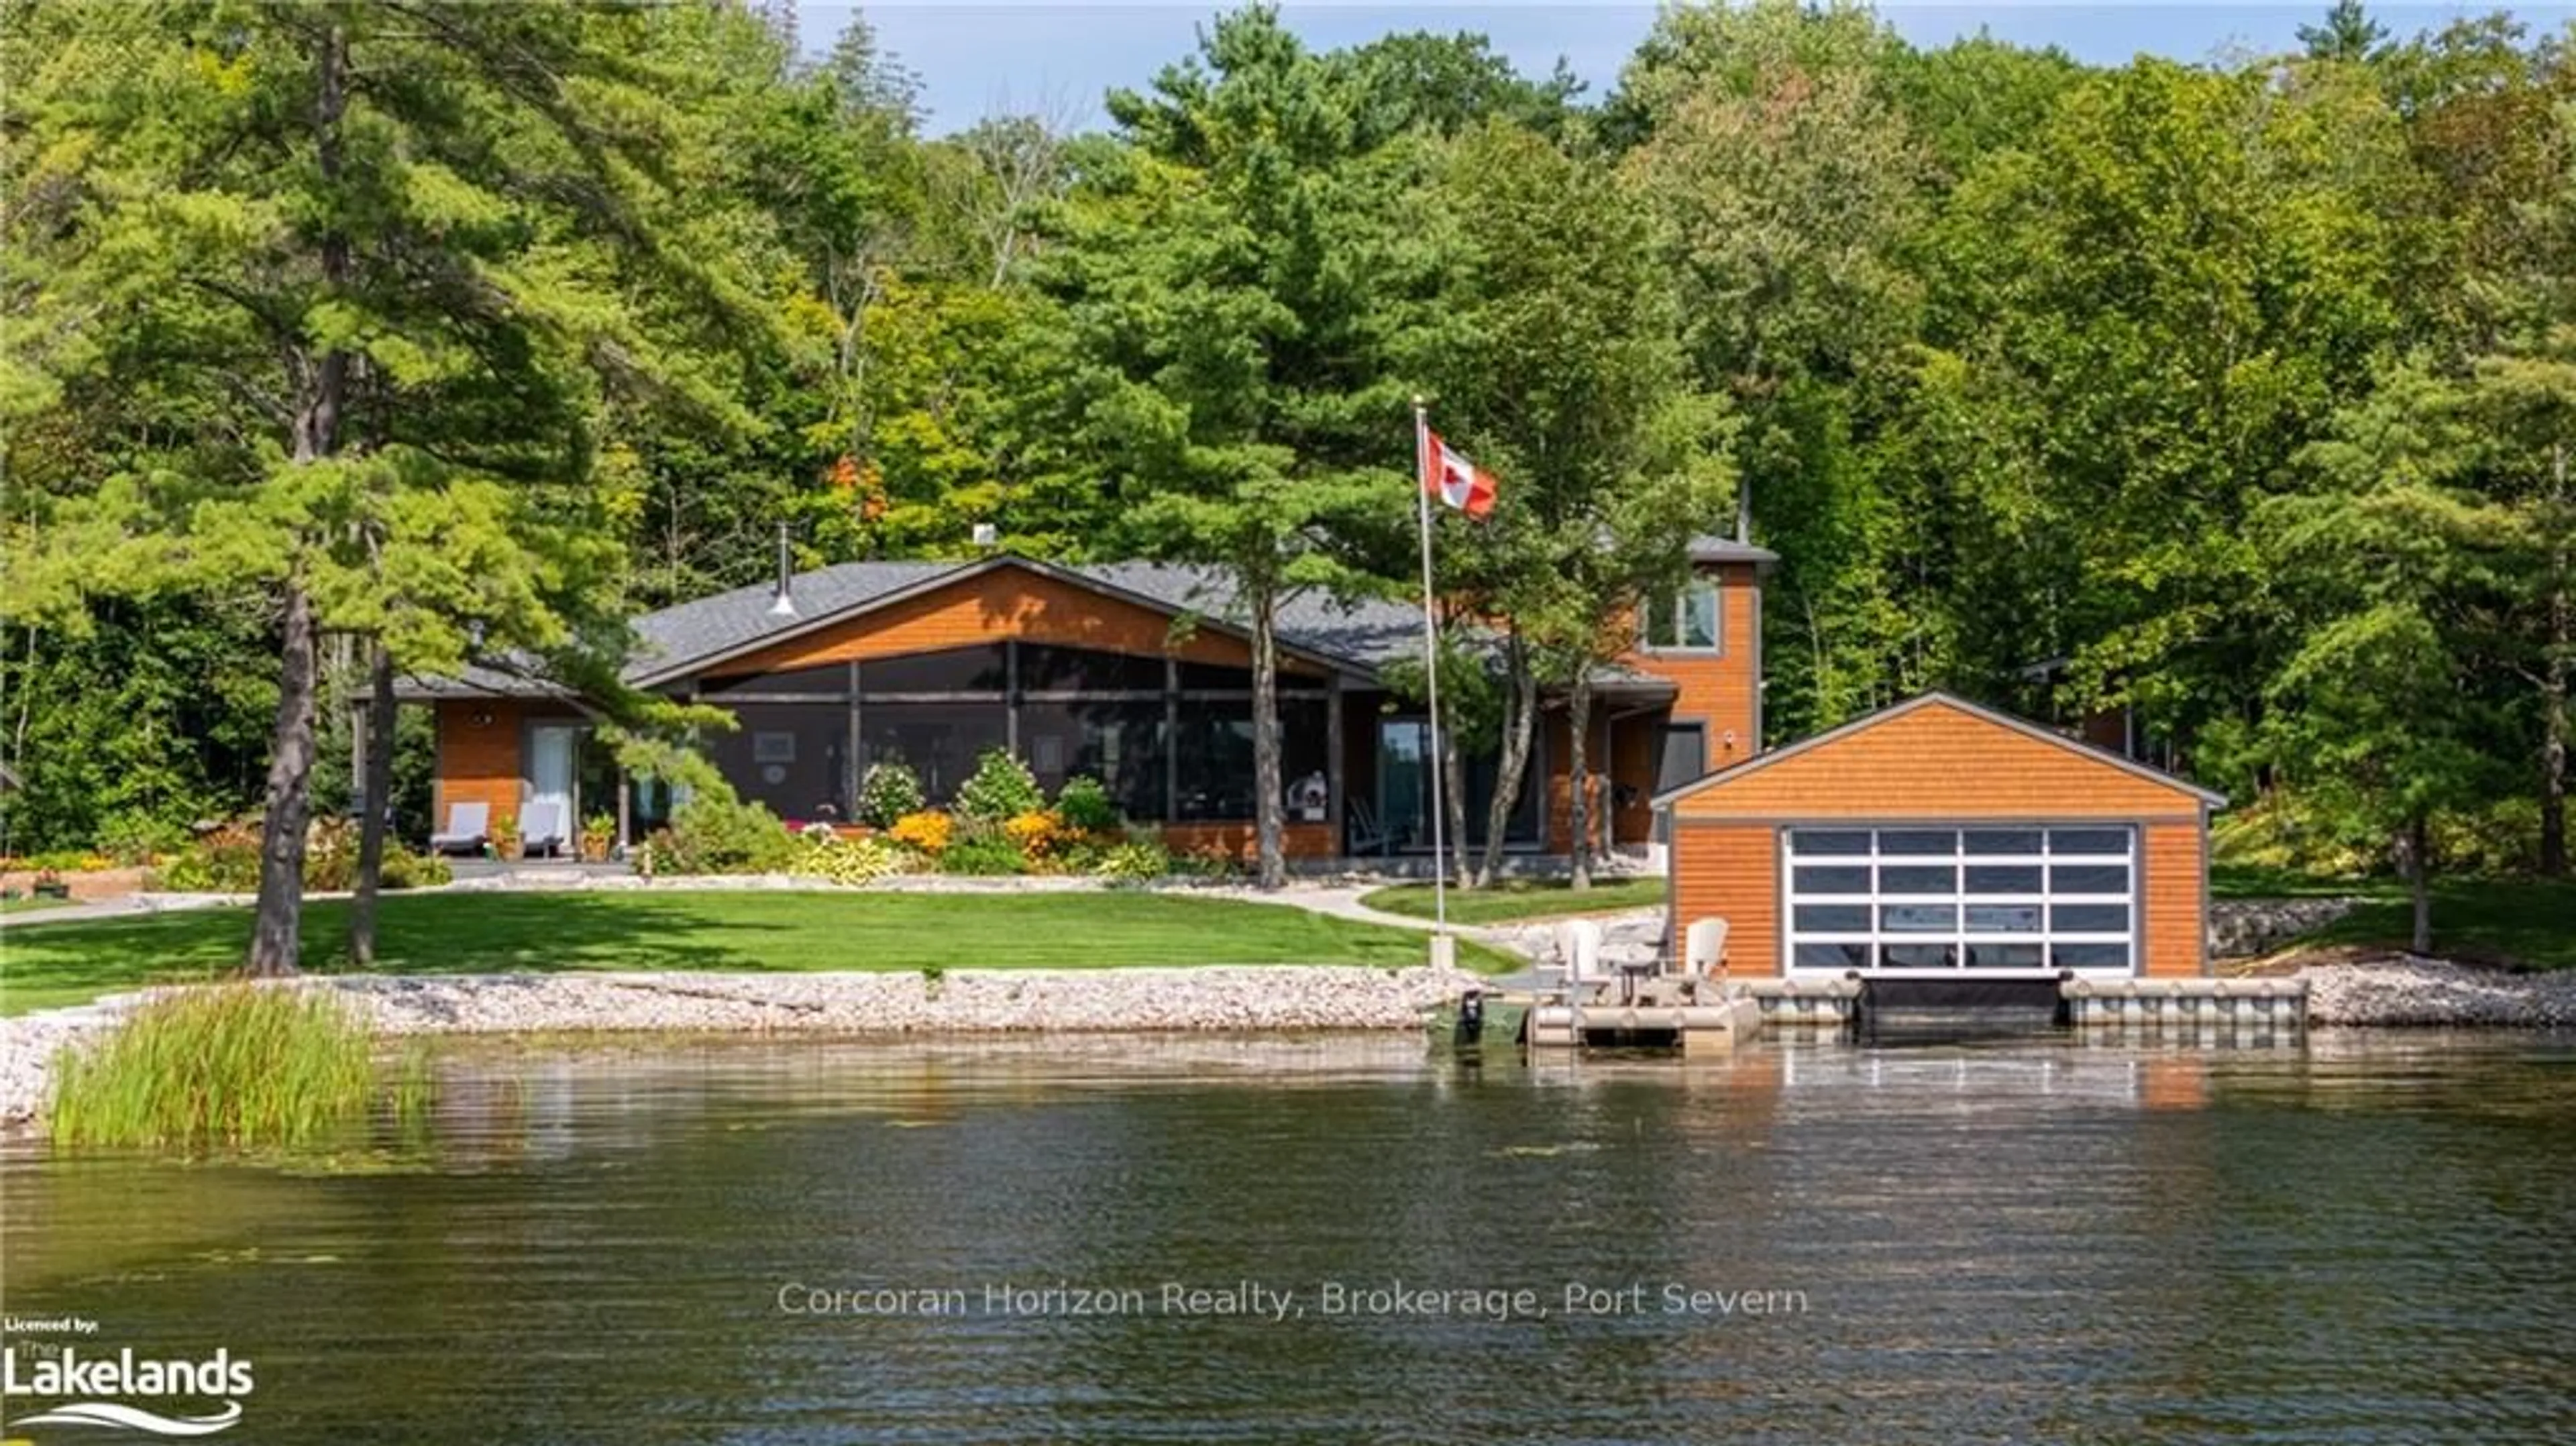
(240, 1065)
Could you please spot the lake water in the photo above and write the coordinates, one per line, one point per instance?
(2352, 1242)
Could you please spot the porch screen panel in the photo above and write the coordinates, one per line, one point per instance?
(1215, 747)
(981, 669)
(791, 756)
(1119, 743)
(940, 741)
(2001, 897)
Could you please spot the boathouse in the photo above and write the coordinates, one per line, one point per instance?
(1941, 839)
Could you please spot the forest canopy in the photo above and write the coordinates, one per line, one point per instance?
(2240, 394)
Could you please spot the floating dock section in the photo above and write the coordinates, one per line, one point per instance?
(1717, 1015)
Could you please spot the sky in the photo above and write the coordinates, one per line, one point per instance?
(1057, 58)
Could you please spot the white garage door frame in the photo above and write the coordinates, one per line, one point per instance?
(2007, 899)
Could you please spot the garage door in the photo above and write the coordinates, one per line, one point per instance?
(1906, 897)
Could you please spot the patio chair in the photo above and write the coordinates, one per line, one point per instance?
(1578, 943)
(1704, 952)
(542, 827)
(469, 827)
(1365, 835)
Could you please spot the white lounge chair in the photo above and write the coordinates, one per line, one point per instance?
(469, 827)
(542, 827)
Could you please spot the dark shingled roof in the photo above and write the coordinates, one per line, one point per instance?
(1708, 547)
(1364, 635)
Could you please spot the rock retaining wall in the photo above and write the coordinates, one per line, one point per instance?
(2242, 928)
(1247, 999)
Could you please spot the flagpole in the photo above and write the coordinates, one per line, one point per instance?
(1431, 682)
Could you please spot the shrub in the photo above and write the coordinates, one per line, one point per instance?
(984, 853)
(224, 860)
(846, 861)
(887, 792)
(235, 1064)
(927, 832)
(716, 833)
(1138, 859)
(1002, 788)
(1085, 806)
(404, 869)
(1080, 853)
(1036, 834)
(139, 838)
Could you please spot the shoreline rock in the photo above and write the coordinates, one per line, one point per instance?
(2403, 991)
(1271, 998)
(2394, 992)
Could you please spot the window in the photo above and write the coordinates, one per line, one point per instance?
(981, 669)
(790, 756)
(1045, 668)
(1978, 898)
(1687, 619)
(830, 680)
(940, 741)
(1215, 748)
(1119, 743)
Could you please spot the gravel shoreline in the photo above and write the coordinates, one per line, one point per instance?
(1273, 998)
(2394, 992)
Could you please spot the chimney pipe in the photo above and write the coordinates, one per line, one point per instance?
(784, 605)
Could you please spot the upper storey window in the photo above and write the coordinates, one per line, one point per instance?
(1684, 621)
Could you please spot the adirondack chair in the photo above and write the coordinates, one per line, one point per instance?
(1704, 952)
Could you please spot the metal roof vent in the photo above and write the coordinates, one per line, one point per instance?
(784, 605)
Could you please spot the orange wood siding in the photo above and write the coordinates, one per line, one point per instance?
(1936, 763)
(478, 764)
(1731, 871)
(1620, 753)
(1008, 602)
(1939, 762)
(2173, 911)
(1718, 688)
(1236, 840)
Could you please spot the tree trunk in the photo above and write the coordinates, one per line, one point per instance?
(1268, 810)
(375, 794)
(274, 937)
(1453, 769)
(2554, 678)
(2415, 862)
(1578, 775)
(1520, 726)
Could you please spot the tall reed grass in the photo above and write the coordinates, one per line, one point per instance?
(240, 1065)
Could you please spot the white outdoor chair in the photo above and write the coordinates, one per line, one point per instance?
(1578, 943)
(469, 825)
(1704, 952)
(542, 827)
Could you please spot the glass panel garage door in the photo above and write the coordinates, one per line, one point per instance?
(2034, 897)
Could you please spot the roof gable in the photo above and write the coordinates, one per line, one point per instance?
(1937, 756)
(946, 605)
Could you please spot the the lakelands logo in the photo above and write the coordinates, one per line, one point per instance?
(95, 1387)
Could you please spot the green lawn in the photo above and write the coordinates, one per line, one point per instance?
(1512, 899)
(30, 903)
(2502, 921)
(42, 966)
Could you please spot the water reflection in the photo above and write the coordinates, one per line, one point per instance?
(2361, 1240)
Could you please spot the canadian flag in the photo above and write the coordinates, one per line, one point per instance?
(1450, 478)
